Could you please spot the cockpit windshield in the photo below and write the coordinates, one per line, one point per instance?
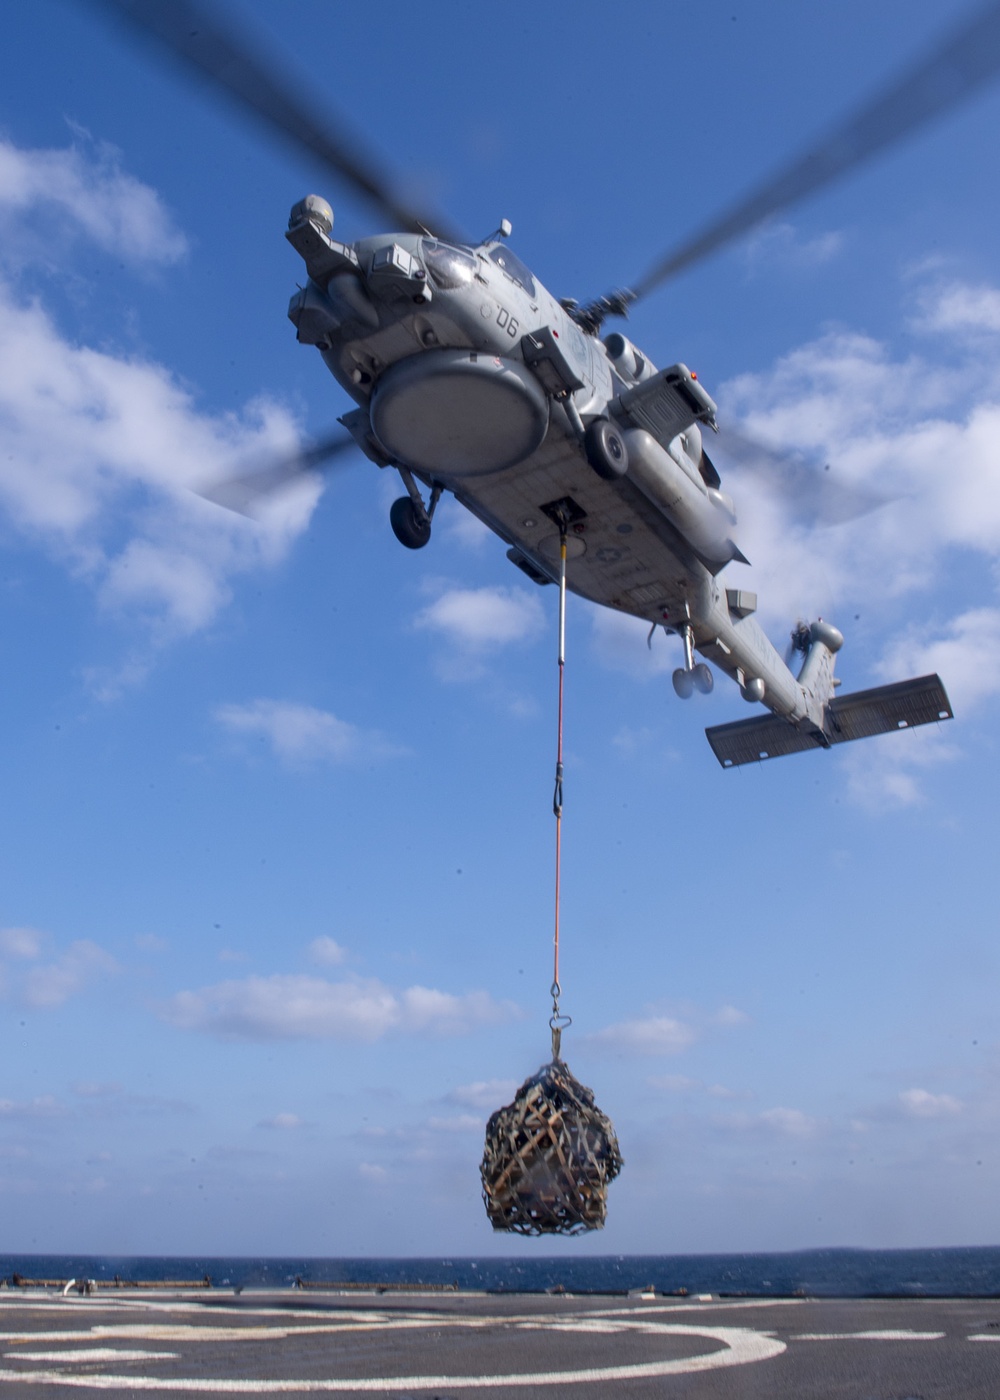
(449, 266)
(514, 267)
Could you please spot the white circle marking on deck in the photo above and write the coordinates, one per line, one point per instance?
(90, 1354)
(739, 1346)
(886, 1335)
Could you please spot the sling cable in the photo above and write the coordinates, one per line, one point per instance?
(551, 1153)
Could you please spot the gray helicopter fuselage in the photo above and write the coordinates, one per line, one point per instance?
(472, 378)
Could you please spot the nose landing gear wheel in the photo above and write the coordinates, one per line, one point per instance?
(407, 526)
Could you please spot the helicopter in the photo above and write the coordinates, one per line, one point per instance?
(469, 377)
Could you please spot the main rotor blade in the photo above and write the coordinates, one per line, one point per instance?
(958, 66)
(210, 44)
(241, 491)
(815, 494)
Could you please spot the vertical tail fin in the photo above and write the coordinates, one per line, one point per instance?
(816, 675)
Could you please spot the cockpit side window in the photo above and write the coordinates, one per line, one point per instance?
(514, 267)
(449, 266)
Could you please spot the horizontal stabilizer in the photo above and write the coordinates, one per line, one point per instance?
(877, 711)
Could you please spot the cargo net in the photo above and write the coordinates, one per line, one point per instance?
(549, 1158)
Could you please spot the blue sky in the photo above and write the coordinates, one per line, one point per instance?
(276, 846)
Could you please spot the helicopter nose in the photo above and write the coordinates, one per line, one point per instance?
(313, 209)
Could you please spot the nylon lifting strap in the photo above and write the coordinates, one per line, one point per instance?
(557, 1021)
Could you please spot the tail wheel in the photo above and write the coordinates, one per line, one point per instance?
(683, 682)
(407, 526)
(703, 678)
(605, 449)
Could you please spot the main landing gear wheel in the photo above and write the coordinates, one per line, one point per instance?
(407, 526)
(683, 683)
(605, 449)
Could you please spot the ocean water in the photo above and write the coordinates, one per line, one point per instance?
(824, 1273)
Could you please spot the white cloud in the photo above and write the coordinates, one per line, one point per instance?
(650, 1035)
(100, 452)
(464, 528)
(521, 707)
(779, 1122)
(965, 652)
(150, 943)
(283, 1122)
(288, 1006)
(98, 458)
(20, 943)
(623, 643)
(327, 951)
(675, 1083)
(843, 401)
(49, 984)
(683, 1084)
(93, 1089)
(883, 774)
(86, 185)
(302, 734)
(911, 1105)
(45, 1106)
(424, 1009)
(463, 1123)
(480, 619)
(156, 580)
(371, 1171)
(910, 431)
(644, 744)
(53, 984)
(731, 1016)
(923, 434)
(782, 243)
(958, 307)
(790, 1122)
(484, 1094)
(630, 741)
(920, 1103)
(966, 649)
(283, 1006)
(660, 1034)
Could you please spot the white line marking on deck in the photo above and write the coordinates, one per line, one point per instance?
(86, 1354)
(728, 1305)
(887, 1335)
(738, 1347)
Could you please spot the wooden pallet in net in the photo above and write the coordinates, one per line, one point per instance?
(549, 1158)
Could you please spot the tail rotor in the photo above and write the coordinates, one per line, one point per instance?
(799, 640)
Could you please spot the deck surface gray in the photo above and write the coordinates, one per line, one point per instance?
(452, 1345)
